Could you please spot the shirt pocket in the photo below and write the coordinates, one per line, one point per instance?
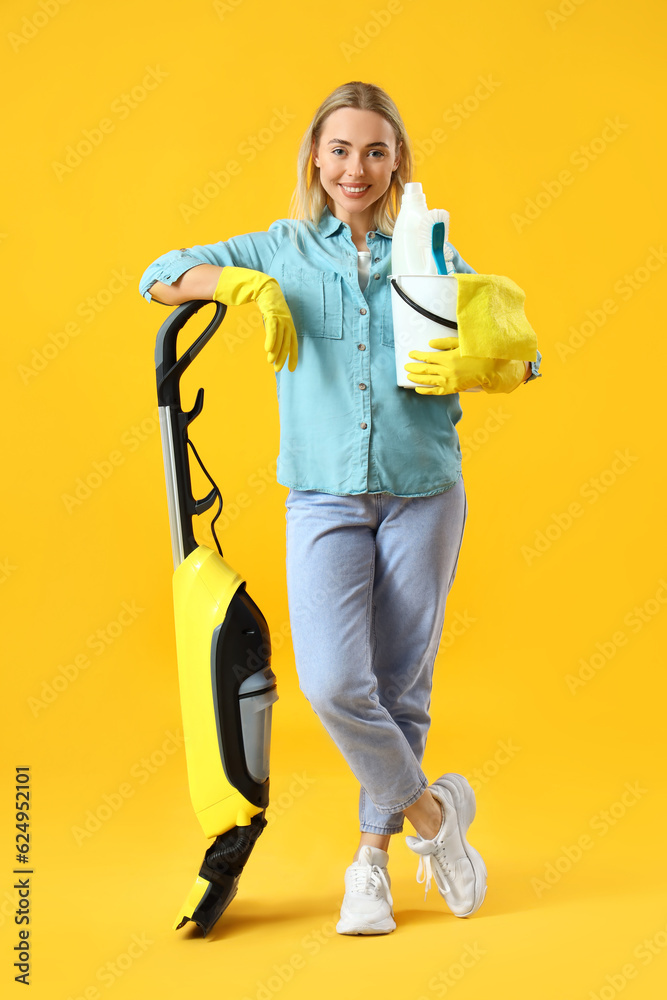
(315, 300)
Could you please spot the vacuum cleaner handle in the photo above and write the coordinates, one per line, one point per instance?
(168, 366)
(174, 423)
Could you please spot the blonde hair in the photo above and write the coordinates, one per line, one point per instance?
(309, 197)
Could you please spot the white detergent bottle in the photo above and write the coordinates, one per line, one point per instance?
(408, 256)
(415, 272)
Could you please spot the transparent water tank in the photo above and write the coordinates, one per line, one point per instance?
(256, 696)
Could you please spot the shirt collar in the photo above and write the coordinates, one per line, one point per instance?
(330, 225)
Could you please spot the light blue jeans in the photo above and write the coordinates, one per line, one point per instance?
(367, 579)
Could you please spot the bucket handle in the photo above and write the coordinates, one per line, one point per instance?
(420, 309)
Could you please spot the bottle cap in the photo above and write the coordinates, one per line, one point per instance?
(412, 189)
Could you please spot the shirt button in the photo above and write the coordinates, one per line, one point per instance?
(362, 347)
(363, 312)
(362, 385)
(371, 235)
(363, 426)
(377, 260)
(376, 276)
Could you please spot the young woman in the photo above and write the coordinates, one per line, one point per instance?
(377, 505)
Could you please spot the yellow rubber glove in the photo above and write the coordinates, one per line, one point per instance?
(238, 285)
(448, 372)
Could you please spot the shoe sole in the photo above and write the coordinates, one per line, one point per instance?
(384, 927)
(466, 807)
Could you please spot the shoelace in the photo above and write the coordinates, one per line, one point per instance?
(424, 868)
(364, 876)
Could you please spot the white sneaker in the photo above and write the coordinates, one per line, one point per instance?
(367, 904)
(458, 869)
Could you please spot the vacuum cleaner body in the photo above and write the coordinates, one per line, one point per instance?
(223, 647)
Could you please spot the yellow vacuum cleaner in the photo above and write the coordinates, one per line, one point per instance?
(223, 650)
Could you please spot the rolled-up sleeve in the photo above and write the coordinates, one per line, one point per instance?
(252, 250)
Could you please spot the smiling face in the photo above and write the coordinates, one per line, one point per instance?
(356, 156)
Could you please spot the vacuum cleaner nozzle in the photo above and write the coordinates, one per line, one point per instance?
(219, 875)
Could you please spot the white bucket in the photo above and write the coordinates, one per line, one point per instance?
(434, 292)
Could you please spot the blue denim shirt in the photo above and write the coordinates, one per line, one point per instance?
(345, 426)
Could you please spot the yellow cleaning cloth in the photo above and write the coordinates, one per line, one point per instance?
(491, 319)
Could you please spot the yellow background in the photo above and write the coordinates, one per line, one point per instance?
(556, 923)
